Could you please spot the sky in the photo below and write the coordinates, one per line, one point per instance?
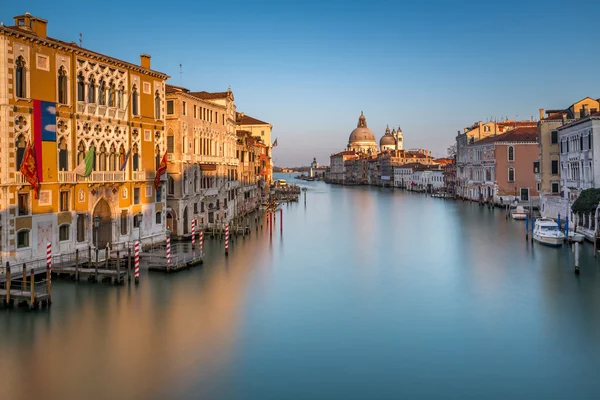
(310, 68)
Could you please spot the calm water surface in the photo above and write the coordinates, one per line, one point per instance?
(369, 293)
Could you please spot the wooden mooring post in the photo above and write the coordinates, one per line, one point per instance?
(96, 267)
(49, 285)
(7, 285)
(128, 264)
(24, 275)
(32, 303)
(576, 258)
(118, 269)
(77, 265)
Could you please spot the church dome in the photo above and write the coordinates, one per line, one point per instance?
(362, 133)
(388, 139)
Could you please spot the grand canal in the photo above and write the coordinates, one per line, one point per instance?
(368, 293)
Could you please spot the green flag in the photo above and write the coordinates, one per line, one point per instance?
(85, 167)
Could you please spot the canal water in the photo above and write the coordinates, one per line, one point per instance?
(369, 293)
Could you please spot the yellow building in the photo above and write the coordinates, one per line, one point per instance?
(114, 106)
(262, 130)
(548, 167)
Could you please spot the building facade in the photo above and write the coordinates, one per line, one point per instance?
(263, 131)
(71, 101)
(203, 163)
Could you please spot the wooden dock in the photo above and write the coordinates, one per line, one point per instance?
(26, 291)
(181, 258)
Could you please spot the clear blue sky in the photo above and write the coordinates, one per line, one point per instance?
(310, 67)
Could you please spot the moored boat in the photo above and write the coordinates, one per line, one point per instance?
(575, 237)
(519, 213)
(546, 232)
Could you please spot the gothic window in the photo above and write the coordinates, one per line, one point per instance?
(157, 157)
(511, 153)
(170, 184)
(136, 158)
(102, 158)
(157, 105)
(120, 96)
(80, 87)
(80, 152)
(196, 181)
(63, 158)
(121, 156)
(92, 90)
(20, 78)
(112, 159)
(134, 101)
(20, 144)
(111, 95)
(170, 143)
(62, 86)
(101, 92)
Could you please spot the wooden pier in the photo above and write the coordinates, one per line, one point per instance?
(26, 291)
(181, 258)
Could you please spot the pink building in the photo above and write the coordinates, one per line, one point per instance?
(500, 167)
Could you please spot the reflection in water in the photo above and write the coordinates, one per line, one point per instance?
(374, 293)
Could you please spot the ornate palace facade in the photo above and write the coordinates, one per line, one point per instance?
(91, 101)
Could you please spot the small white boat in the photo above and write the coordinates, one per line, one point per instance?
(546, 232)
(575, 237)
(519, 213)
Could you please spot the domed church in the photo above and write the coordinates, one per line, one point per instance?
(362, 139)
(387, 141)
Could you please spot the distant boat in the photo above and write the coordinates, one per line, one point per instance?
(546, 232)
(518, 213)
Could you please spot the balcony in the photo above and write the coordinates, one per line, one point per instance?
(211, 192)
(170, 157)
(141, 176)
(187, 157)
(104, 176)
(210, 159)
(20, 179)
(67, 177)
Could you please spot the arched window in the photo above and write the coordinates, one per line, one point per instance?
(120, 96)
(511, 174)
(112, 159)
(63, 158)
(101, 92)
(195, 181)
(511, 153)
(20, 78)
(134, 100)
(158, 219)
(80, 87)
(157, 156)
(157, 105)
(170, 184)
(135, 158)
(92, 90)
(64, 232)
(102, 158)
(80, 152)
(121, 156)
(20, 144)
(62, 86)
(111, 95)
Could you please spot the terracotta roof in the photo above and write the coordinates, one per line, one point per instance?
(522, 134)
(175, 89)
(411, 165)
(514, 124)
(248, 120)
(210, 96)
(75, 47)
(555, 116)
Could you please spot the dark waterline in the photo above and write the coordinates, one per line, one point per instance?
(369, 293)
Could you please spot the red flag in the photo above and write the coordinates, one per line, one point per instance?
(29, 169)
(162, 168)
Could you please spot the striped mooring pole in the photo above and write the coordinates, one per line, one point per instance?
(168, 251)
(201, 241)
(193, 233)
(136, 255)
(227, 239)
(48, 259)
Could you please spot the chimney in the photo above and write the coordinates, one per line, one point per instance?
(31, 23)
(541, 113)
(584, 111)
(145, 61)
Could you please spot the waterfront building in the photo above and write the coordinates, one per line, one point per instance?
(70, 102)
(427, 178)
(251, 176)
(450, 176)
(362, 139)
(552, 201)
(261, 130)
(580, 166)
(403, 174)
(472, 134)
(499, 168)
(337, 166)
(202, 168)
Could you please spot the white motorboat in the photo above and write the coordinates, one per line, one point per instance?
(575, 237)
(519, 213)
(546, 232)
